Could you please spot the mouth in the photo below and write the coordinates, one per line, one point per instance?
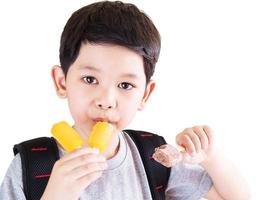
(99, 119)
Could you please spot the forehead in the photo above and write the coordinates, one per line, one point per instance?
(107, 56)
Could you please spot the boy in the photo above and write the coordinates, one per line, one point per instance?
(108, 53)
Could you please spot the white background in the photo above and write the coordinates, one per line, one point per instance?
(212, 70)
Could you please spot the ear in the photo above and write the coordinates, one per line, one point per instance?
(59, 81)
(149, 89)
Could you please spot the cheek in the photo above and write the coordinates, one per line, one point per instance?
(128, 110)
(77, 107)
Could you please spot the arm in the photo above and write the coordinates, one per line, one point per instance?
(227, 180)
(200, 148)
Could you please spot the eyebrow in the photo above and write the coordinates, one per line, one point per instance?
(125, 75)
(130, 75)
(89, 68)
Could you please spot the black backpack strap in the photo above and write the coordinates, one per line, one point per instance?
(157, 174)
(37, 159)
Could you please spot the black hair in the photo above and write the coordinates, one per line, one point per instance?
(109, 22)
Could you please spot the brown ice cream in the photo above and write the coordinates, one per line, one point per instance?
(168, 155)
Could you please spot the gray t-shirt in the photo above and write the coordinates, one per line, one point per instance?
(125, 178)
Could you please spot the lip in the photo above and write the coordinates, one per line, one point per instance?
(100, 119)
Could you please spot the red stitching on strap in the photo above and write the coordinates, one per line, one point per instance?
(158, 187)
(146, 135)
(39, 149)
(42, 176)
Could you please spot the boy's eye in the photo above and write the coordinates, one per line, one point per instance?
(126, 86)
(90, 80)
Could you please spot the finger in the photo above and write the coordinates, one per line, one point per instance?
(195, 139)
(79, 152)
(187, 143)
(89, 178)
(202, 136)
(209, 134)
(88, 169)
(84, 159)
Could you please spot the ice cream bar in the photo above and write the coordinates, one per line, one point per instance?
(67, 137)
(100, 135)
(168, 155)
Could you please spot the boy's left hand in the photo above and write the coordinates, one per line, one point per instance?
(198, 142)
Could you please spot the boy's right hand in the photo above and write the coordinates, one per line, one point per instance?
(73, 173)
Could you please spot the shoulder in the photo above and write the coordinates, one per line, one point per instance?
(12, 186)
(15, 169)
(14, 172)
(143, 141)
(140, 136)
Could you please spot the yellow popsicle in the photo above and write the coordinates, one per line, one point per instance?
(100, 135)
(66, 136)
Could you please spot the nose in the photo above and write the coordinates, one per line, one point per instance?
(106, 100)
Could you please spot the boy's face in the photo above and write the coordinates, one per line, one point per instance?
(105, 83)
